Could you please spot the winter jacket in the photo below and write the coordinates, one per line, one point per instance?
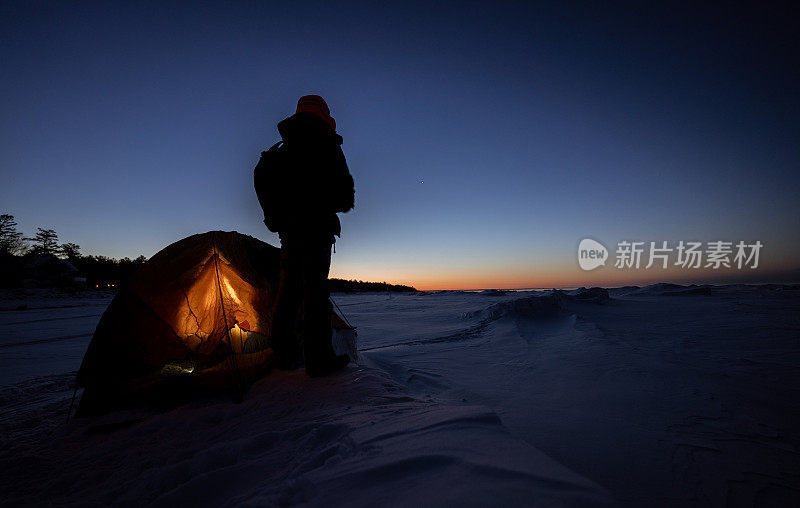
(317, 183)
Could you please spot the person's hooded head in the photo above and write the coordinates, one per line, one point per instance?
(316, 105)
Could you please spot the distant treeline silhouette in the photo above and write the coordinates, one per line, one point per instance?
(100, 270)
(43, 262)
(359, 286)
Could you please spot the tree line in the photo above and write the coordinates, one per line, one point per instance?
(360, 286)
(101, 271)
(16, 250)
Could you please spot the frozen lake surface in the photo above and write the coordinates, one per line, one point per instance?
(656, 396)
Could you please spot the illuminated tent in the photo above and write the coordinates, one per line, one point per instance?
(196, 315)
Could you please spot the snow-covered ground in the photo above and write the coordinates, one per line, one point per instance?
(657, 396)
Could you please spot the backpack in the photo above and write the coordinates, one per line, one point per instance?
(288, 183)
(269, 180)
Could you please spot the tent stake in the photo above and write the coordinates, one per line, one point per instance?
(71, 402)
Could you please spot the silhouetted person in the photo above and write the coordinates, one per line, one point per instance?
(307, 182)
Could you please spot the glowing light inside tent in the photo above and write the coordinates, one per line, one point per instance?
(231, 291)
(211, 296)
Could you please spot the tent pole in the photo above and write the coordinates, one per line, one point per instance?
(239, 395)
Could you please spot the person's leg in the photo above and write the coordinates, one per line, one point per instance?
(285, 308)
(319, 354)
(317, 322)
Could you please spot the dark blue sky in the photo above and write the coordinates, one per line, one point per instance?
(128, 126)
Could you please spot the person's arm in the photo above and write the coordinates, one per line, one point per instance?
(344, 188)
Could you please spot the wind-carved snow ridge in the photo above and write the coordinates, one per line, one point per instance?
(353, 439)
(540, 306)
(536, 307)
(462, 335)
(547, 306)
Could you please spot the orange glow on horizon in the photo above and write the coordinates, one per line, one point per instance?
(564, 277)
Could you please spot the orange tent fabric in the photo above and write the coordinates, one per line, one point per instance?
(200, 308)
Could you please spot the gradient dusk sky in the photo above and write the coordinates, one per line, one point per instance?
(486, 139)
